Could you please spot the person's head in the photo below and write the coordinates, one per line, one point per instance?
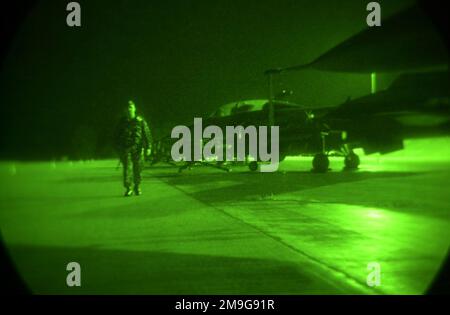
(131, 109)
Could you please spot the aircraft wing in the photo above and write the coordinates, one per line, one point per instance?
(406, 41)
(416, 105)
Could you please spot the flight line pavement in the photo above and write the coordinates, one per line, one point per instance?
(205, 231)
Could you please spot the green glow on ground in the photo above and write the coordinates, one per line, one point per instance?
(207, 231)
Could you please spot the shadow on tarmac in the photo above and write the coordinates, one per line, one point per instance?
(133, 272)
(251, 185)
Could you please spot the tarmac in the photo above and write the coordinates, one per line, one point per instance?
(206, 231)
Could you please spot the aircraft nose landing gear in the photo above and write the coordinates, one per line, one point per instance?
(351, 161)
(320, 163)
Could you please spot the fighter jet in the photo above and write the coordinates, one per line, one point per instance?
(415, 105)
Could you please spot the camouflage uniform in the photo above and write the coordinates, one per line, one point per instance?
(132, 137)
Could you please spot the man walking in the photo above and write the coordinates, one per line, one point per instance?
(132, 141)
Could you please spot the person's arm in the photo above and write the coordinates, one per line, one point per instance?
(147, 137)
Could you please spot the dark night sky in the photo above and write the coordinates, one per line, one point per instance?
(177, 59)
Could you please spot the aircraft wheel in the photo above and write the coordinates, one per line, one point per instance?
(253, 166)
(320, 163)
(351, 161)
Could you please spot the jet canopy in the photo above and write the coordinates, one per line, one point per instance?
(245, 106)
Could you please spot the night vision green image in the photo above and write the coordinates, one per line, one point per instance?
(272, 147)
